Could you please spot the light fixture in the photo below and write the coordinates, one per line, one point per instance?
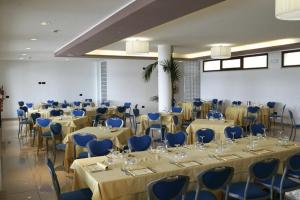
(28, 48)
(24, 54)
(44, 23)
(220, 52)
(137, 46)
(287, 9)
(33, 39)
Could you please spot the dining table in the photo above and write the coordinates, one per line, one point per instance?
(188, 109)
(119, 137)
(125, 176)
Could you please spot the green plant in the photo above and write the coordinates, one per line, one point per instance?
(169, 66)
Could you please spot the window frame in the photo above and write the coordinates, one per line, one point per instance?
(241, 60)
(282, 58)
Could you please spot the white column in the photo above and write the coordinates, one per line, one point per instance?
(164, 80)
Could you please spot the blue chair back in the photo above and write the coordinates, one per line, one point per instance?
(102, 110)
(237, 130)
(257, 129)
(136, 112)
(64, 105)
(29, 105)
(24, 108)
(89, 100)
(21, 103)
(55, 113)
(271, 104)
(214, 115)
(208, 134)
(78, 113)
(197, 99)
(99, 147)
(168, 188)
(215, 178)
(197, 104)
(176, 138)
(114, 122)
(76, 103)
(86, 104)
(154, 116)
(121, 109)
(253, 109)
(237, 103)
(81, 139)
(176, 109)
(56, 129)
(127, 105)
(54, 178)
(264, 169)
(50, 102)
(43, 122)
(293, 163)
(34, 116)
(175, 120)
(139, 143)
(106, 103)
(20, 113)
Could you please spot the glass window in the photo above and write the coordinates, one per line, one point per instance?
(255, 62)
(231, 64)
(291, 58)
(212, 65)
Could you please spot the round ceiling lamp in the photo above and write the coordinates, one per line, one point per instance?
(287, 9)
(220, 52)
(137, 46)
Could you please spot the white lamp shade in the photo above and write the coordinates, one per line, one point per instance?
(220, 52)
(287, 9)
(137, 47)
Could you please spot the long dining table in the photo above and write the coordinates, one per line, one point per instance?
(129, 182)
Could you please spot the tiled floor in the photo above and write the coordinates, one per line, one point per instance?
(24, 175)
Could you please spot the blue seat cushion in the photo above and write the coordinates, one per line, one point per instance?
(287, 183)
(155, 126)
(206, 195)
(47, 134)
(237, 190)
(83, 154)
(61, 147)
(83, 194)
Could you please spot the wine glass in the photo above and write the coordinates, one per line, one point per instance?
(265, 132)
(233, 134)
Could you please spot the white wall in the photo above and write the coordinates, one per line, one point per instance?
(259, 86)
(65, 80)
(125, 83)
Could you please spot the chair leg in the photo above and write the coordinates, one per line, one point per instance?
(54, 154)
(47, 147)
(295, 133)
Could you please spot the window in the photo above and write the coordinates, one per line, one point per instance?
(257, 61)
(212, 65)
(231, 64)
(291, 58)
(251, 62)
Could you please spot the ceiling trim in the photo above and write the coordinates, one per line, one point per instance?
(135, 18)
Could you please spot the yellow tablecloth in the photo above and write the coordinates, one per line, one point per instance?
(217, 125)
(166, 119)
(118, 136)
(187, 110)
(237, 113)
(115, 184)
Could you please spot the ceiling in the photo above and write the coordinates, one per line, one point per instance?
(234, 21)
(20, 21)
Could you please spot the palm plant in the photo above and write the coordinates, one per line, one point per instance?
(169, 66)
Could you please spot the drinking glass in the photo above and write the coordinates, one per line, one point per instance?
(233, 134)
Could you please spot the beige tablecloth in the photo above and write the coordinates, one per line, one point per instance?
(217, 125)
(237, 113)
(118, 136)
(166, 119)
(188, 109)
(115, 184)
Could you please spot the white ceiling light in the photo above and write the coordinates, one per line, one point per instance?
(33, 39)
(220, 52)
(287, 9)
(137, 46)
(44, 23)
(28, 48)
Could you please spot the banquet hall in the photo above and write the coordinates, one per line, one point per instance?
(149, 99)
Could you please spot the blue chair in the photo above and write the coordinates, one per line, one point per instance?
(236, 103)
(177, 109)
(86, 104)
(78, 113)
(21, 103)
(44, 123)
(64, 105)
(252, 114)
(82, 194)
(173, 187)
(176, 138)
(139, 143)
(102, 110)
(81, 140)
(34, 116)
(88, 100)
(210, 180)
(114, 122)
(257, 129)
(120, 112)
(105, 103)
(57, 137)
(25, 109)
(76, 103)
(50, 102)
(259, 171)
(128, 114)
(96, 120)
(271, 104)
(282, 183)
(56, 113)
(214, 104)
(214, 115)
(207, 134)
(23, 120)
(294, 126)
(29, 105)
(175, 122)
(233, 132)
(275, 116)
(136, 122)
(294, 172)
(99, 147)
(197, 109)
(154, 121)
